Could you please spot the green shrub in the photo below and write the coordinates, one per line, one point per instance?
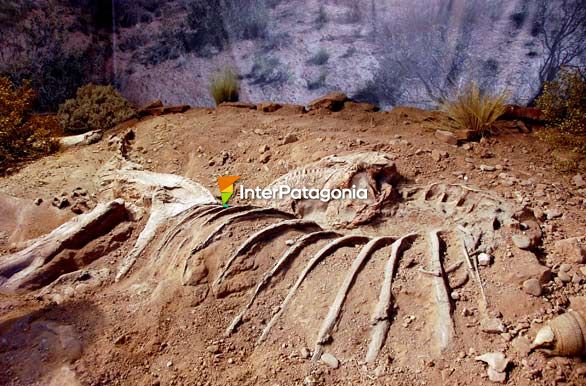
(563, 103)
(22, 136)
(225, 86)
(472, 109)
(95, 107)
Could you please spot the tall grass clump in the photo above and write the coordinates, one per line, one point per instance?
(225, 86)
(473, 109)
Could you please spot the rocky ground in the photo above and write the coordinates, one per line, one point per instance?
(88, 328)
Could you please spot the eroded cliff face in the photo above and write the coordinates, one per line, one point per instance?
(390, 52)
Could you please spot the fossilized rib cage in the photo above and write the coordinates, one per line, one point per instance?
(187, 240)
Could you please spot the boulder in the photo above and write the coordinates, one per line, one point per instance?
(360, 106)
(155, 111)
(268, 107)
(525, 267)
(333, 101)
(176, 109)
(446, 137)
(515, 112)
(573, 249)
(532, 287)
(290, 138)
(152, 105)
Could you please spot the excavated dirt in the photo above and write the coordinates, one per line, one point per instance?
(165, 321)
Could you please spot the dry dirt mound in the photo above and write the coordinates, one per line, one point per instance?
(159, 284)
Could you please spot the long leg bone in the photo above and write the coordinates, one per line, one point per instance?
(261, 235)
(381, 315)
(36, 264)
(326, 250)
(445, 328)
(291, 253)
(336, 307)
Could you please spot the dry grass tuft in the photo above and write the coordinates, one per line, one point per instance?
(472, 109)
(225, 86)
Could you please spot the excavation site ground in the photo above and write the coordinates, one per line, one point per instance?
(119, 265)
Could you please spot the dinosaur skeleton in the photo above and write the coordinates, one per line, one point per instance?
(189, 221)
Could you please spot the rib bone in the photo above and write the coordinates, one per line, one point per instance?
(247, 215)
(260, 235)
(381, 315)
(336, 307)
(445, 328)
(226, 212)
(291, 253)
(326, 250)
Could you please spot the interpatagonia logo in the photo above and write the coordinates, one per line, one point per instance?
(226, 184)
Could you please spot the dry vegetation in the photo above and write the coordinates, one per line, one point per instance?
(22, 136)
(563, 103)
(473, 109)
(224, 86)
(95, 107)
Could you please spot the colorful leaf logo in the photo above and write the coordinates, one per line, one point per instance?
(226, 184)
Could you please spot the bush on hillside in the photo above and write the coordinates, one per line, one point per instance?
(22, 136)
(473, 109)
(563, 103)
(95, 107)
(225, 86)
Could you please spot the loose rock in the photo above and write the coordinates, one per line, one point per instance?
(532, 287)
(446, 137)
(572, 249)
(484, 259)
(290, 138)
(330, 360)
(497, 365)
(522, 241)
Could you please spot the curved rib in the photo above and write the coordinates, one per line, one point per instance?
(189, 215)
(326, 250)
(246, 215)
(250, 214)
(228, 211)
(259, 236)
(380, 317)
(336, 307)
(291, 253)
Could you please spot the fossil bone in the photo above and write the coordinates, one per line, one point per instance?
(31, 266)
(445, 324)
(259, 236)
(336, 307)
(291, 253)
(322, 253)
(381, 316)
(372, 171)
